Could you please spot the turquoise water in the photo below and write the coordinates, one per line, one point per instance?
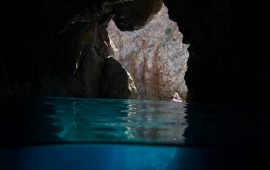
(73, 133)
(120, 120)
(98, 120)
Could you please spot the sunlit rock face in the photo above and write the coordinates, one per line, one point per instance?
(154, 56)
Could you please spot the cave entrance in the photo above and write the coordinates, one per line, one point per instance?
(154, 56)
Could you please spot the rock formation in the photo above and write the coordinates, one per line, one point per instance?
(41, 41)
(60, 48)
(154, 56)
(116, 82)
(228, 59)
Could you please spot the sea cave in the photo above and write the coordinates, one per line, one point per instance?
(134, 84)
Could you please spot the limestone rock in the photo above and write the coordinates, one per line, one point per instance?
(154, 56)
(132, 87)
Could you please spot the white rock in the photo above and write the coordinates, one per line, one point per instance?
(154, 56)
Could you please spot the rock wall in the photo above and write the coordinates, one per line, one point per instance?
(154, 56)
(60, 48)
(228, 55)
(116, 83)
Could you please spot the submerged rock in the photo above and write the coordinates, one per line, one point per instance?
(154, 56)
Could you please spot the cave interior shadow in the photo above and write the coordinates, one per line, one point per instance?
(27, 121)
(226, 136)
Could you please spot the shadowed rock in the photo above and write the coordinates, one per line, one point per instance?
(114, 81)
(58, 48)
(228, 59)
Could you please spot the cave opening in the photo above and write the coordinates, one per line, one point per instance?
(154, 56)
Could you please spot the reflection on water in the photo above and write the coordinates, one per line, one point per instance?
(27, 121)
(68, 120)
(156, 121)
(53, 120)
(120, 120)
(216, 137)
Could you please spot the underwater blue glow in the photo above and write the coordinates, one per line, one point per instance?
(100, 157)
(98, 134)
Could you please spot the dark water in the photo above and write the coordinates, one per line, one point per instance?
(70, 133)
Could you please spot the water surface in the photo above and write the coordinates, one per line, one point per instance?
(78, 134)
(76, 120)
(51, 120)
